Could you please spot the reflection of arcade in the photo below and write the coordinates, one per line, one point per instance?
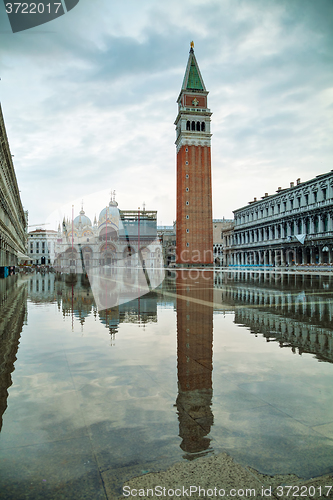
(13, 301)
(194, 351)
(296, 311)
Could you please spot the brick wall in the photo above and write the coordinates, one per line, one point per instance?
(199, 209)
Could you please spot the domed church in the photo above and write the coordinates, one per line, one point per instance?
(116, 236)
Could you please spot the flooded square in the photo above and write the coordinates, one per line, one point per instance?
(208, 362)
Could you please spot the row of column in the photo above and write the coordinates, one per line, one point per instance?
(8, 255)
(285, 302)
(308, 338)
(281, 257)
(277, 231)
(297, 281)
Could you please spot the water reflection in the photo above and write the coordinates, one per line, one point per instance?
(154, 397)
(42, 288)
(13, 307)
(194, 356)
(75, 299)
(295, 311)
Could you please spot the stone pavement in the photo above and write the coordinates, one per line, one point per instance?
(218, 476)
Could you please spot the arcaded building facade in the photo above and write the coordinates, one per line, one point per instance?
(294, 226)
(13, 219)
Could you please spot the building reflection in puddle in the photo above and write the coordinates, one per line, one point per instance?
(194, 306)
(77, 300)
(13, 302)
(194, 360)
(295, 311)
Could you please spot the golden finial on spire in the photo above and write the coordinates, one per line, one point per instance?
(192, 45)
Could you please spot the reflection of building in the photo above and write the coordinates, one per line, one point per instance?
(194, 352)
(12, 216)
(293, 226)
(41, 246)
(77, 300)
(41, 287)
(13, 301)
(115, 237)
(296, 311)
(194, 191)
(141, 310)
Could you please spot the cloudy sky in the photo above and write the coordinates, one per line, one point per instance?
(89, 100)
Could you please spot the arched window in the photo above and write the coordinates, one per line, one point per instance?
(325, 223)
(203, 126)
(316, 225)
(188, 125)
(198, 126)
(193, 126)
(307, 224)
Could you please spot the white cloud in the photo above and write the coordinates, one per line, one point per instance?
(89, 101)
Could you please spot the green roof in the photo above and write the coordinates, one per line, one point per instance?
(194, 81)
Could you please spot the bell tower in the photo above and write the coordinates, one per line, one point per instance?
(194, 236)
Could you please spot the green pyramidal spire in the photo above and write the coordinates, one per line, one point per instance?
(193, 79)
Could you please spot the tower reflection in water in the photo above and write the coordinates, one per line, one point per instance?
(194, 355)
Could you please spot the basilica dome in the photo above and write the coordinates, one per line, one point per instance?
(112, 211)
(83, 219)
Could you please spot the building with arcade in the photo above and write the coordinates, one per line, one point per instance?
(293, 226)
